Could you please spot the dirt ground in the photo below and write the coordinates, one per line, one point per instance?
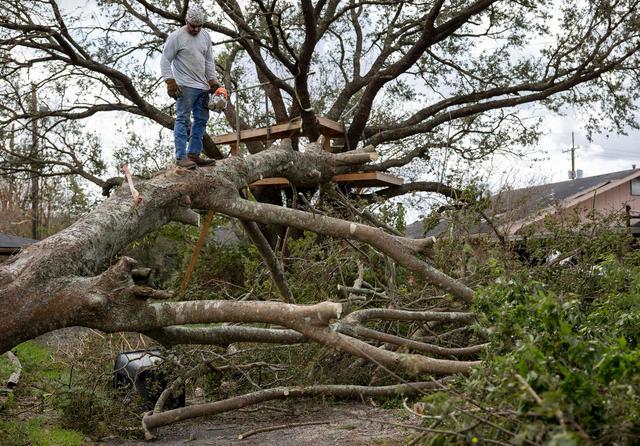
(347, 424)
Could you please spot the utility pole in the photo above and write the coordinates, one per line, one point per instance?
(34, 166)
(573, 149)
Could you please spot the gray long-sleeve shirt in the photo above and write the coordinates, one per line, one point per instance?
(188, 59)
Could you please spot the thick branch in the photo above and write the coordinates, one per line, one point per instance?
(155, 420)
(224, 336)
(265, 213)
(416, 186)
(364, 332)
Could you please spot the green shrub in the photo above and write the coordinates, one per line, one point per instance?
(98, 412)
(563, 363)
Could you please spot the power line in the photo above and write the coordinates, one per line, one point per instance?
(614, 157)
(617, 152)
(613, 153)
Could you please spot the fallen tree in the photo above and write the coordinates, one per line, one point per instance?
(442, 59)
(76, 277)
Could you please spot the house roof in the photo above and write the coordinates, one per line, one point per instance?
(535, 206)
(522, 205)
(549, 194)
(12, 243)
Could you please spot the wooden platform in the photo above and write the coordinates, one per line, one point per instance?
(358, 179)
(369, 179)
(289, 129)
(331, 130)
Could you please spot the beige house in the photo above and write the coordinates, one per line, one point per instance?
(617, 192)
(515, 210)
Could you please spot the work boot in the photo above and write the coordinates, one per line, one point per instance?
(201, 161)
(185, 163)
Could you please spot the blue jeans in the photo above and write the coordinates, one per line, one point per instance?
(192, 100)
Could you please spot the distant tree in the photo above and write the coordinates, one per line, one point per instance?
(46, 168)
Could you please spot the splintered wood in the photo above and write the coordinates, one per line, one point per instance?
(134, 193)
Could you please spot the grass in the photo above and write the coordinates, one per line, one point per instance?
(34, 432)
(41, 376)
(37, 362)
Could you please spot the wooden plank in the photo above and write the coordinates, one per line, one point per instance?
(369, 179)
(277, 131)
(329, 127)
(360, 179)
(275, 181)
(281, 130)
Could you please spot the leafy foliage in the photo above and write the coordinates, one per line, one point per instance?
(564, 356)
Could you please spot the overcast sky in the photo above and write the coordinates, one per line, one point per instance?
(602, 155)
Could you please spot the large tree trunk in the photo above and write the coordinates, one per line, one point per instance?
(75, 278)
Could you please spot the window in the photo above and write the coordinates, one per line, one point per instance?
(635, 186)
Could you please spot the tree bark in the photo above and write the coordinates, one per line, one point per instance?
(73, 277)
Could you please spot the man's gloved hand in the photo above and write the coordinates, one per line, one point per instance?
(221, 91)
(172, 88)
(213, 85)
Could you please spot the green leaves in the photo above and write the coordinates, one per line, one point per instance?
(563, 364)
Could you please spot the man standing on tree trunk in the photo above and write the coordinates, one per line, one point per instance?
(187, 68)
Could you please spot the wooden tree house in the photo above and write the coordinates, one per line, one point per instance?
(334, 134)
